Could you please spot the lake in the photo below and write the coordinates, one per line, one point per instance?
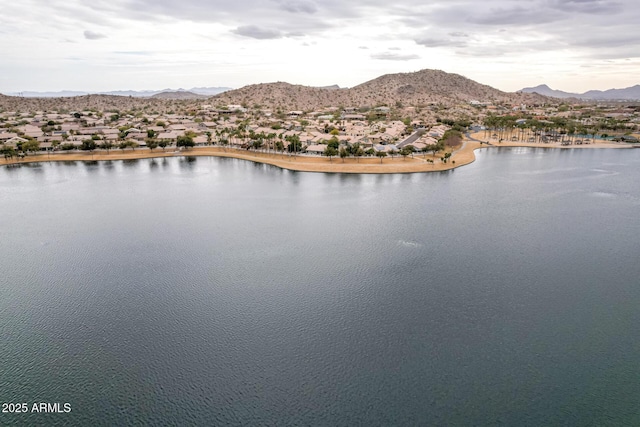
(211, 291)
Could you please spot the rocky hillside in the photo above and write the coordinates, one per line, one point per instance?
(409, 89)
(89, 102)
(284, 96)
(406, 90)
(433, 86)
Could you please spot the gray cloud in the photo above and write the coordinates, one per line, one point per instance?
(309, 18)
(515, 16)
(457, 24)
(298, 6)
(392, 56)
(588, 6)
(436, 42)
(295, 34)
(256, 32)
(90, 35)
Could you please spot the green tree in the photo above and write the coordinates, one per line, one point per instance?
(357, 151)
(256, 144)
(343, 153)
(330, 152)
(437, 147)
(152, 143)
(185, 141)
(295, 145)
(425, 149)
(31, 145)
(381, 154)
(163, 144)
(88, 145)
(106, 145)
(8, 152)
(334, 142)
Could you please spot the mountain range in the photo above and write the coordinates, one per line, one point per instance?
(420, 88)
(427, 91)
(195, 92)
(627, 94)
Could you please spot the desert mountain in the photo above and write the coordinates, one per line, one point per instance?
(418, 89)
(630, 93)
(207, 91)
(88, 102)
(547, 91)
(178, 95)
(409, 89)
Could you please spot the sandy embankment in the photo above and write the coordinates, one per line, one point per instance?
(397, 164)
(462, 156)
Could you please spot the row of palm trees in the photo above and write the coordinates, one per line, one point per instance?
(556, 128)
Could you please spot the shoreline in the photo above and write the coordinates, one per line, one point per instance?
(462, 156)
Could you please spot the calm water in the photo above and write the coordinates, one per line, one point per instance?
(220, 292)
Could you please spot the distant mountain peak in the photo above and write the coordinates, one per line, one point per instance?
(207, 91)
(630, 93)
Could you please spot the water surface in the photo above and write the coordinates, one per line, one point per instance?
(211, 291)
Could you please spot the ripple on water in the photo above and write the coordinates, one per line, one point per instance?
(241, 295)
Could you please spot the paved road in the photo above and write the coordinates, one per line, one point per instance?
(411, 138)
(468, 136)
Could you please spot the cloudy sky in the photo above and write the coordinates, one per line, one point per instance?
(100, 45)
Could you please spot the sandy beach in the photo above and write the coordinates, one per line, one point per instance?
(506, 142)
(463, 155)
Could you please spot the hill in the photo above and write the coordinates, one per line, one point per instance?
(409, 89)
(88, 102)
(434, 86)
(178, 95)
(547, 91)
(630, 93)
(206, 91)
(424, 90)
